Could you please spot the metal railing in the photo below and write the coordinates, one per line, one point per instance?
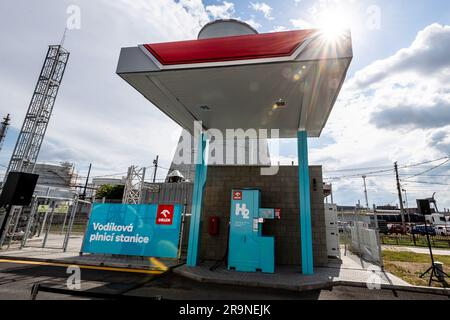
(41, 224)
(416, 240)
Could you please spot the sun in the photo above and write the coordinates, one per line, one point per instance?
(334, 23)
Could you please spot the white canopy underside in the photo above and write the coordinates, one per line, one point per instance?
(242, 96)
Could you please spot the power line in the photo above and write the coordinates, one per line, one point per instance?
(357, 169)
(359, 175)
(428, 170)
(373, 173)
(388, 166)
(159, 167)
(422, 163)
(110, 175)
(433, 175)
(427, 182)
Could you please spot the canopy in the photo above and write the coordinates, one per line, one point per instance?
(282, 80)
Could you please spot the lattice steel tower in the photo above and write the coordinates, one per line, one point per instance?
(39, 112)
(134, 186)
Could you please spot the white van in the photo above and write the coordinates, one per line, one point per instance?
(442, 230)
(436, 219)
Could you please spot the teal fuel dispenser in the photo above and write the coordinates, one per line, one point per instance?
(249, 250)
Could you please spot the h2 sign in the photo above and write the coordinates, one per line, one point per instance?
(242, 210)
(135, 230)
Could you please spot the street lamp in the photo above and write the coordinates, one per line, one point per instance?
(406, 198)
(407, 207)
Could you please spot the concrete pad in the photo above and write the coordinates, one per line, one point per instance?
(349, 270)
(289, 278)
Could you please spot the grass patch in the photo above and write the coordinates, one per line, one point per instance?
(421, 241)
(405, 256)
(409, 266)
(405, 274)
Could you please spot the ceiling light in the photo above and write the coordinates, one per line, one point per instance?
(205, 108)
(280, 103)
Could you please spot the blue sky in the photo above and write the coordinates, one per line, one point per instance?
(393, 107)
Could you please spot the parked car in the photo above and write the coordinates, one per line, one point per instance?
(442, 230)
(397, 229)
(422, 231)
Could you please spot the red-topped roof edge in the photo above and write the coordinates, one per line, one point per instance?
(244, 47)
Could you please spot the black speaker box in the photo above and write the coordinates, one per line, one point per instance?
(424, 206)
(18, 189)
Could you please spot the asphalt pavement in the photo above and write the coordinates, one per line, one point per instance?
(16, 281)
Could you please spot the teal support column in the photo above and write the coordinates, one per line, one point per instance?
(305, 203)
(197, 203)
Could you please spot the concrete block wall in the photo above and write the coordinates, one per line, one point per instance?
(278, 191)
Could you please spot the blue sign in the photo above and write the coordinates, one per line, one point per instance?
(134, 230)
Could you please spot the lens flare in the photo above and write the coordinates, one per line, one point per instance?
(334, 24)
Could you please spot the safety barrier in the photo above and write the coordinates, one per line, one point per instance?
(362, 239)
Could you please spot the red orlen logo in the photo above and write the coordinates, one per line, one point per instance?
(164, 214)
(237, 195)
(278, 213)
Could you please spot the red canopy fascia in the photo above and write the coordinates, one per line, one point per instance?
(246, 47)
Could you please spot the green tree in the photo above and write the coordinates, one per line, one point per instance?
(110, 192)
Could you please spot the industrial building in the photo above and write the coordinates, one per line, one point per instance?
(59, 176)
(249, 147)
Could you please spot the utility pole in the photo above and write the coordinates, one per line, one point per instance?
(365, 193)
(399, 190)
(3, 129)
(87, 181)
(155, 162)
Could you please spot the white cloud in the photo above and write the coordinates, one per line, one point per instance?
(279, 29)
(223, 11)
(264, 8)
(300, 24)
(396, 109)
(97, 117)
(427, 55)
(167, 18)
(252, 22)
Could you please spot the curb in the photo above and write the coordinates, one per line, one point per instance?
(255, 284)
(87, 264)
(310, 286)
(414, 289)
